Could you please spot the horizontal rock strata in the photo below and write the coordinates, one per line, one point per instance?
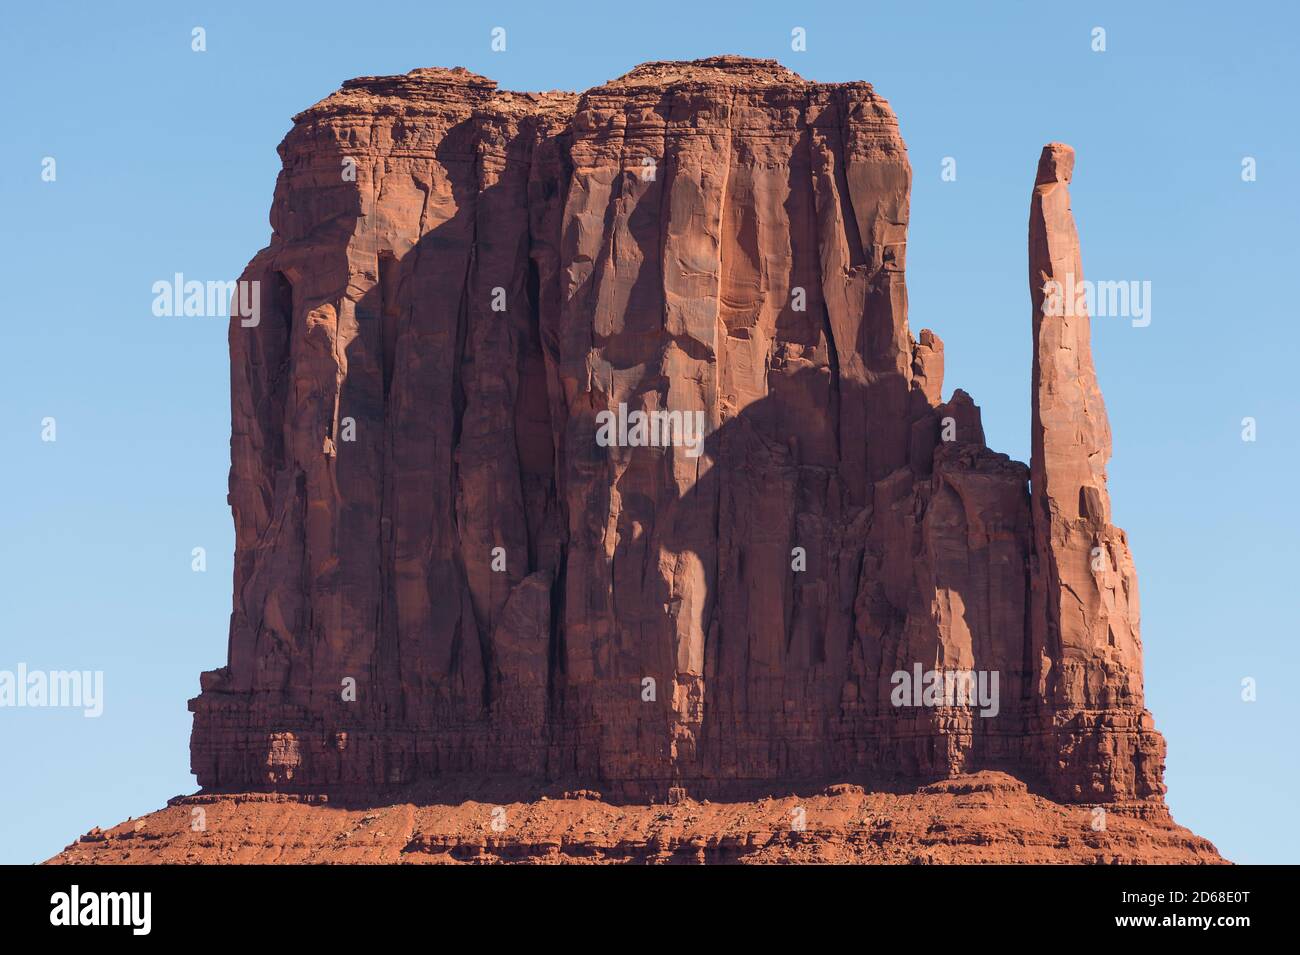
(984, 818)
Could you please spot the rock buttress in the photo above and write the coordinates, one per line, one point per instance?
(1097, 740)
(441, 571)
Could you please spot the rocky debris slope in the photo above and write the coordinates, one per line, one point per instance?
(984, 818)
(441, 569)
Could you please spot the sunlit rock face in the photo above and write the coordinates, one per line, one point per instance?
(584, 438)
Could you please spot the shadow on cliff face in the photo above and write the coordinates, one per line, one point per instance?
(808, 604)
(792, 608)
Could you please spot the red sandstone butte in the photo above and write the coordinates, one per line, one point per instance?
(443, 580)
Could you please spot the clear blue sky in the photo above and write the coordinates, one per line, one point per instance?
(166, 162)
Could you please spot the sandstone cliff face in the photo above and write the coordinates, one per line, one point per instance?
(1084, 630)
(462, 280)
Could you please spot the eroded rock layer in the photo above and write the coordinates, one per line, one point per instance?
(441, 569)
(986, 818)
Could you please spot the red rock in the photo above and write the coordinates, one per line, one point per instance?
(1097, 739)
(987, 817)
(420, 399)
